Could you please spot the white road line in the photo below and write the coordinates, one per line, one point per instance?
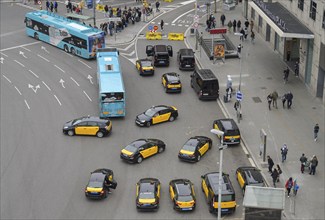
(33, 73)
(59, 68)
(74, 81)
(6, 78)
(4, 54)
(84, 64)
(186, 25)
(18, 90)
(57, 100)
(26, 104)
(12, 33)
(180, 25)
(26, 49)
(10, 48)
(182, 15)
(19, 63)
(251, 161)
(173, 24)
(87, 96)
(128, 47)
(43, 58)
(46, 86)
(129, 54)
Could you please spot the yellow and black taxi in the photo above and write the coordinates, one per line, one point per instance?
(195, 148)
(210, 184)
(182, 194)
(100, 182)
(249, 176)
(145, 67)
(171, 82)
(141, 149)
(231, 131)
(157, 114)
(148, 194)
(89, 125)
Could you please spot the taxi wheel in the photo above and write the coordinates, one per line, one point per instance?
(198, 158)
(70, 132)
(139, 160)
(171, 118)
(160, 149)
(100, 134)
(148, 124)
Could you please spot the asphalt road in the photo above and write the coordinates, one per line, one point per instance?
(43, 172)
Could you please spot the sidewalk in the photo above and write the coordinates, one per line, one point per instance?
(262, 71)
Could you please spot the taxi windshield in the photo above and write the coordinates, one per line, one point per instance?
(150, 112)
(146, 63)
(95, 184)
(131, 148)
(147, 195)
(190, 145)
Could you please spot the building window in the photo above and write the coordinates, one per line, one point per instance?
(253, 14)
(313, 8)
(260, 21)
(301, 4)
(323, 24)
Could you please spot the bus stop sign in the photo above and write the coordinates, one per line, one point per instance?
(239, 96)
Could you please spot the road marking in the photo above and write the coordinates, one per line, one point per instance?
(34, 74)
(59, 68)
(129, 54)
(23, 45)
(182, 15)
(43, 58)
(186, 25)
(7, 79)
(4, 54)
(32, 87)
(12, 32)
(179, 25)
(22, 53)
(18, 90)
(46, 86)
(87, 96)
(74, 81)
(84, 64)
(90, 77)
(19, 63)
(26, 49)
(26, 104)
(57, 100)
(173, 24)
(128, 47)
(62, 81)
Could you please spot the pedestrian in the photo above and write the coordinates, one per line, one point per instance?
(252, 25)
(157, 6)
(286, 75)
(274, 176)
(279, 172)
(275, 97)
(242, 34)
(303, 161)
(284, 152)
(56, 6)
(162, 24)
(229, 26)
(246, 23)
(51, 6)
(316, 130)
(223, 19)
(47, 4)
(313, 165)
(253, 37)
(289, 99)
(289, 185)
(297, 69)
(208, 23)
(106, 10)
(246, 33)
(284, 99)
(269, 100)
(238, 25)
(234, 25)
(295, 187)
(270, 163)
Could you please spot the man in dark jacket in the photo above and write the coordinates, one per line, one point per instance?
(303, 160)
(289, 99)
(274, 176)
(270, 163)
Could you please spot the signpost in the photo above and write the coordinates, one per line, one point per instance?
(239, 96)
(155, 28)
(218, 31)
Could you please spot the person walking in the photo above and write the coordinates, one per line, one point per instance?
(295, 187)
(157, 6)
(234, 25)
(286, 75)
(229, 26)
(56, 6)
(51, 6)
(303, 160)
(289, 99)
(252, 25)
(253, 37)
(246, 23)
(275, 97)
(289, 185)
(284, 99)
(284, 152)
(47, 4)
(274, 176)
(238, 25)
(223, 19)
(269, 100)
(162, 25)
(297, 69)
(313, 165)
(316, 130)
(242, 34)
(270, 163)
(279, 172)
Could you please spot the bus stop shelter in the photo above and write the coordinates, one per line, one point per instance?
(263, 203)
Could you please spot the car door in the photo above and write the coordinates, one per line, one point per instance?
(241, 178)
(172, 192)
(81, 128)
(205, 188)
(149, 50)
(144, 151)
(164, 81)
(137, 65)
(165, 114)
(156, 118)
(152, 149)
(170, 50)
(158, 190)
(203, 147)
(93, 128)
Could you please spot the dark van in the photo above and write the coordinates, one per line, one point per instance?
(160, 54)
(205, 84)
(186, 59)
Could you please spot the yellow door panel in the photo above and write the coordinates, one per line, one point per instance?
(137, 193)
(165, 117)
(205, 189)
(158, 191)
(164, 82)
(93, 130)
(240, 180)
(154, 150)
(171, 193)
(81, 130)
(225, 205)
(156, 119)
(204, 148)
(138, 66)
(145, 153)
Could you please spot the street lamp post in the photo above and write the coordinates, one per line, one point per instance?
(215, 131)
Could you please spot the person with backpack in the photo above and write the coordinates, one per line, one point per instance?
(303, 160)
(284, 151)
(275, 176)
(289, 185)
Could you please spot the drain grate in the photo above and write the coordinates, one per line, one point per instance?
(263, 87)
(257, 99)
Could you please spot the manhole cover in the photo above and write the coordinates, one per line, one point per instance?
(263, 87)
(257, 99)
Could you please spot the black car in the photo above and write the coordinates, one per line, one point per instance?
(101, 180)
(157, 114)
(141, 149)
(195, 148)
(89, 125)
(171, 82)
(249, 176)
(182, 194)
(148, 194)
(231, 131)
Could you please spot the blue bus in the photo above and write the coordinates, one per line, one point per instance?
(110, 81)
(71, 36)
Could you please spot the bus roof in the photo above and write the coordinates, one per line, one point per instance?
(111, 83)
(107, 61)
(74, 16)
(63, 22)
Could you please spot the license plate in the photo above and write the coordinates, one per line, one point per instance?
(186, 209)
(187, 65)
(161, 61)
(94, 193)
(224, 210)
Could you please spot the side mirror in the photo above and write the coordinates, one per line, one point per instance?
(202, 177)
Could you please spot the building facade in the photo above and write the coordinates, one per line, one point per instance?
(296, 30)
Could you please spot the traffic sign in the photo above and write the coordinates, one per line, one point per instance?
(150, 27)
(218, 31)
(239, 96)
(196, 25)
(39, 2)
(155, 27)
